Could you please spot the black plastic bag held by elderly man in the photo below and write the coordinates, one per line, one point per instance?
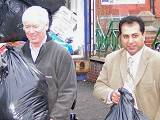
(11, 11)
(23, 90)
(125, 110)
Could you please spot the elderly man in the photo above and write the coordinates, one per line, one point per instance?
(135, 67)
(52, 60)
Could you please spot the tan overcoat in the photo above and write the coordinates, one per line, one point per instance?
(147, 80)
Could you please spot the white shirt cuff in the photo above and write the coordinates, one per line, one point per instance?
(109, 101)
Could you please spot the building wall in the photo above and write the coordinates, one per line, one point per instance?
(157, 8)
(122, 10)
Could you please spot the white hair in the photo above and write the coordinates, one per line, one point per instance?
(36, 12)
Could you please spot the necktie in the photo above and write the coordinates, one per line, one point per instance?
(129, 82)
(130, 68)
(131, 78)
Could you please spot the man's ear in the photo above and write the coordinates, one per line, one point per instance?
(144, 35)
(46, 27)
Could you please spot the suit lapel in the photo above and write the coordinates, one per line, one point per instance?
(27, 52)
(43, 49)
(41, 52)
(123, 65)
(142, 65)
(141, 68)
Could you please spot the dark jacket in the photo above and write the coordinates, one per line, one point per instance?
(53, 60)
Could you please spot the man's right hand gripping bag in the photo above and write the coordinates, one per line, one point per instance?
(23, 89)
(125, 110)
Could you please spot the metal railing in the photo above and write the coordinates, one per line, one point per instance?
(106, 42)
(156, 42)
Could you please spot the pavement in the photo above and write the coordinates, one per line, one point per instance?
(88, 107)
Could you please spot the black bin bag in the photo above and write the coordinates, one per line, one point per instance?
(11, 11)
(11, 28)
(51, 5)
(23, 89)
(125, 109)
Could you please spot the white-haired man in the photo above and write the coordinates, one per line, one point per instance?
(52, 60)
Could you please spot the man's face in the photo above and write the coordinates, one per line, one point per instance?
(131, 37)
(35, 31)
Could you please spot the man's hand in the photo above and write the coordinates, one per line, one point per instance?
(2, 48)
(115, 97)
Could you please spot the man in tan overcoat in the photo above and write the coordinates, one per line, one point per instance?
(144, 80)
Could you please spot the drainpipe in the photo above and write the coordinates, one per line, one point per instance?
(87, 29)
(152, 7)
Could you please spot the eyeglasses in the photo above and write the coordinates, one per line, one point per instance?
(35, 28)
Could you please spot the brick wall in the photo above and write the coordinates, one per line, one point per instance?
(102, 10)
(149, 38)
(157, 8)
(95, 68)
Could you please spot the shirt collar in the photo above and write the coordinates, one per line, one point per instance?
(137, 55)
(44, 41)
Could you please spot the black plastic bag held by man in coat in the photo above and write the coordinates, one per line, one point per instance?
(125, 109)
(23, 89)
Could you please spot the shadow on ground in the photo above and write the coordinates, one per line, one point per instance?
(87, 106)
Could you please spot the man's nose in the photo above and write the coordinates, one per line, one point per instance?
(31, 30)
(130, 40)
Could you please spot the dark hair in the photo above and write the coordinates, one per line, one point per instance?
(130, 20)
